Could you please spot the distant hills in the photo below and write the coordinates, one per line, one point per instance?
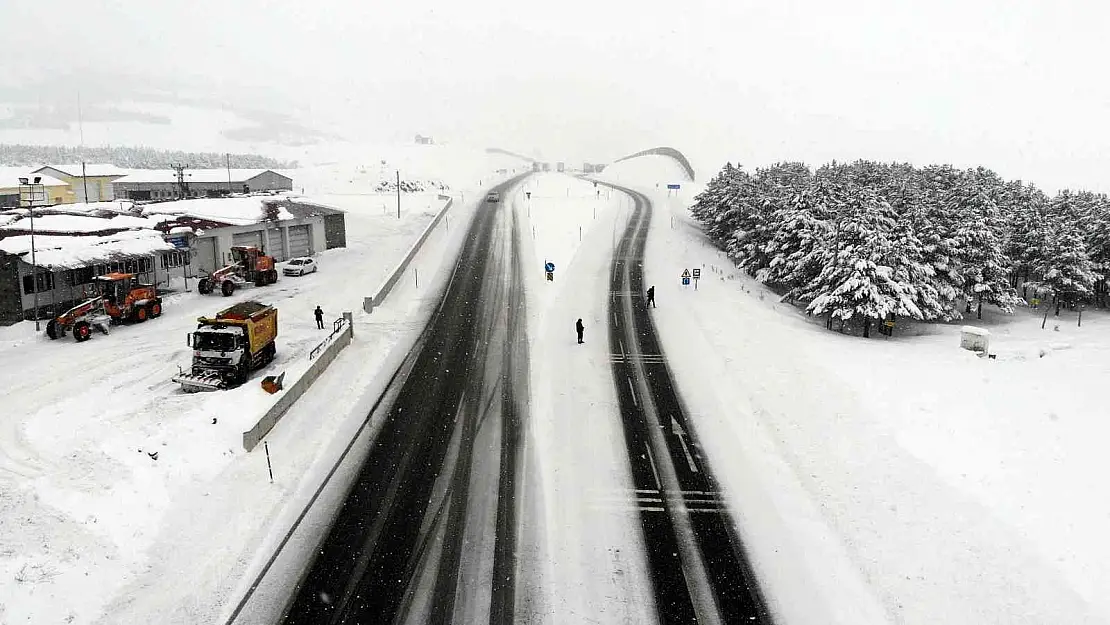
(133, 157)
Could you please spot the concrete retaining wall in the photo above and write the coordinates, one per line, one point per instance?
(291, 394)
(368, 303)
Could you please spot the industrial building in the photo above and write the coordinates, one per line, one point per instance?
(92, 183)
(57, 191)
(157, 184)
(169, 244)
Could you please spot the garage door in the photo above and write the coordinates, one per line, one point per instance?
(273, 246)
(205, 255)
(247, 238)
(300, 241)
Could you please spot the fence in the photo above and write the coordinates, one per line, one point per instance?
(368, 303)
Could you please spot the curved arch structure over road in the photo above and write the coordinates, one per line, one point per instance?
(679, 157)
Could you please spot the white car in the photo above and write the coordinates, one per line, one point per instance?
(299, 266)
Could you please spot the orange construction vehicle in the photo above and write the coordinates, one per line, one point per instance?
(249, 265)
(119, 298)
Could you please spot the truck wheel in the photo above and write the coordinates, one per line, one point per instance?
(273, 276)
(156, 310)
(52, 329)
(204, 286)
(140, 314)
(82, 331)
(227, 288)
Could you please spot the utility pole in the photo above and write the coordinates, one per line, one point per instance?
(229, 173)
(398, 194)
(182, 186)
(85, 182)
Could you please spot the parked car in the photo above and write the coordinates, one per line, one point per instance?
(493, 196)
(299, 266)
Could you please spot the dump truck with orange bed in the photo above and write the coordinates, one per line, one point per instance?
(229, 346)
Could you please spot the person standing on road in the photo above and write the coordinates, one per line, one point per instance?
(651, 296)
(319, 312)
(580, 329)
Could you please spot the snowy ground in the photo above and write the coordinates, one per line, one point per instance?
(896, 480)
(92, 526)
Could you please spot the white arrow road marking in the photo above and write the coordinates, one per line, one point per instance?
(676, 429)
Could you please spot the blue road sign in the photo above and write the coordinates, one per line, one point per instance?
(549, 267)
(674, 186)
(686, 282)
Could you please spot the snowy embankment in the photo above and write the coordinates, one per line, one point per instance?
(123, 499)
(899, 480)
(581, 547)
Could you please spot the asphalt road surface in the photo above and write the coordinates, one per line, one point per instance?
(427, 532)
(697, 562)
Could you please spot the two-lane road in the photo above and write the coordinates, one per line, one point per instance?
(698, 564)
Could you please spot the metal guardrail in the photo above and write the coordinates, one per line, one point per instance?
(336, 328)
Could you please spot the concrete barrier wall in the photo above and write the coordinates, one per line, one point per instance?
(368, 303)
(291, 394)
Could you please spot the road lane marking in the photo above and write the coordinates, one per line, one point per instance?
(654, 471)
(633, 391)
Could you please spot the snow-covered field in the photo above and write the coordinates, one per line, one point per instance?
(899, 480)
(123, 500)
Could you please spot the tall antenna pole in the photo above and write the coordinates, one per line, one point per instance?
(229, 173)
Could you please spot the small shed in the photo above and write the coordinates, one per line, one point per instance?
(975, 339)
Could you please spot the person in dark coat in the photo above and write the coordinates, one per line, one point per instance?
(319, 312)
(651, 296)
(580, 328)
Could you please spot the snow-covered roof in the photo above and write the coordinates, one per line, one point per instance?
(191, 175)
(9, 177)
(122, 207)
(80, 223)
(70, 251)
(91, 169)
(233, 210)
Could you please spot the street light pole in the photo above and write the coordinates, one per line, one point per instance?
(29, 194)
(398, 194)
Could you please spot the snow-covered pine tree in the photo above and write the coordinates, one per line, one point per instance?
(797, 249)
(1098, 244)
(1062, 264)
(981, 267)
(860, 282)
(1022, 207)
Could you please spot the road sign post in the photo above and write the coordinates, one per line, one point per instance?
(549, 269)
(696, 276)
(685, 277)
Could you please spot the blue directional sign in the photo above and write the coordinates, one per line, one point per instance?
(674, 186)
(686, 282)
(549, 267)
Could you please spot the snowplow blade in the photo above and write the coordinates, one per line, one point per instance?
(193, 383)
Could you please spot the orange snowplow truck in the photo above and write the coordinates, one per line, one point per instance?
(120, 298)
(248, 265)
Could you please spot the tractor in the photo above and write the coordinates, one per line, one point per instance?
(120, 298)
(249, 265)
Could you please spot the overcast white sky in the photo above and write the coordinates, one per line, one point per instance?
(1014, 85)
